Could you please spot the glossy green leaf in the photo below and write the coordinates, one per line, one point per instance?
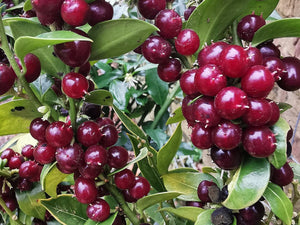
(29, 204)
(105, 79)
(280, 204)
(204, 218)
(176, 117)
(166, 154)
(212, 17)
(248, 183)
(158, 136)
(284, 106)
(296, 170)
(280, 129)
(66, 209)
(157, 88)
(187, 183)
(143, 153)
(108, 221)
(115, 37)
(18, 115)
(120, 94)
(27, 5)
(284, 28)
(186, 212)
(100, 97)
(153, 199)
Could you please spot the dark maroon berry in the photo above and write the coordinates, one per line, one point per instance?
(188, 12)
(109, 136)
(15, 161)
(91, 110)
(282, 176)
(85, 190)
(56, 87)
(150, 8)
(28, 14)
(30, 170)
(119, 220)
(156, 49)
(249, 25)
(187, 42)
(102, 121)
(91, 85)
(169, 70)
(195, 204)
(187, 82)
(24, 184)
(169, 23)
(75, 12)
(117, 157)
(33, 67)
(68, 158)
(7, 154)
(88, 133)
(100, 11)
(140, 188)
(268, 49)
(275, 115)
(89, 172)
(252, 214)
(201, 136)
(254, 56)
(259, 142)
(227, 159)
(290, 79)
(7, 78)
(27, 151)
(95, 156)
(59, 134)
(50, 18)
(288, 136)
(98, 210)
(127, 196)
(231, 103)
(38, 128)
(258, 82)
(211, 54)
(102, 191)
(188, 110)
(124, 179)
(11, 203)
(209, 80)
(85, 69)
(226, 135)
(289, 149)
(275, 66)
(44, 154)
(74, 85)
(48, 11)
(203, 190)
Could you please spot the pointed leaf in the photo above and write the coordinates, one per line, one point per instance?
(28, 202)
(115, 37)
(248, 183)
(166, 154)
(280, 204)
(176, 117)
(66, 209)
(108, 221)
(100, 97)
(187, 183)
(205, 218)
(284, 106)
(120, 94)
(284, 28)
(186, 212)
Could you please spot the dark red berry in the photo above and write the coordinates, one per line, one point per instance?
(201, 136)
(252, 214)
(30, 170)
(187, 82)
(211, 54)
(169, 71)
(117, 157)
(15, 161)
(59, 134)
(85, 190)
(38, 128)
(89, 172)
(150, 8)
(7, 154)
(95, 156)
(91, 110)
(27, 151)
(249, 25)
(102, 121)
(100, 11)
(187, 109)
(24, 184)
(48, 11)
(203, 190)
(290, 80)
(283, 175)
(140, 188)
(268, 49)
(124, 179)
(98, 210)
(11, 203)
(85, 69)
(44, 154)
(127, 196)
(195, 204)
(7, 78)
(109, 136)
(275, 66)
(188, 12)
(254, 56)
(75, 85)
(187, 42)
(88, 133)
(227, 159)
(33, 67)
(75, 12)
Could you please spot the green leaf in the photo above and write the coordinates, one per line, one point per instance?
(143, 153)
(284, 106)
(280, 204)
(29, 204)
(280, 129)
(115, 37)
(187, 183)
(248, 183)
(176, 117)
(210, 23)
(100, 97)
(120, 94)
(27, 5)
(166, 154)
(284, 28)
(157, 88)
(105, 79)
(158, 136)
(296, 170)
(108, 221)
(153, 199)
(66, 209)
(18, 115)
(183, 170)
(186, 212)
(204, 218)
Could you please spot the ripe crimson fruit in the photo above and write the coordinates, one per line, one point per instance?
(75, 85)
(75, 12)
(249, 25)
(98, 210)
(150, 8)
(187, 42)
(7, 78)
(100, 11)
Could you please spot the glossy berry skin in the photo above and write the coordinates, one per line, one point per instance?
(15, 161)
(109, 136)
(91, 110)
(128, 197)
(95, 156)
(103, 121)
(156, 49)
(85, 69)
(124, 179)
(59, 134)
(227, 160)
(68, 158)
(89, 172)
(275, 66)
(231, 103)
(33, 67)
(233, 61)
(44, 154)
(169, 23)
(187, 109)
(74, 53)
(140, 188)
(27, 151)
(187, 42)
(268, 49)
(275, 113)
(150, 8)
(259, 142)
(75, 12)
(7, 154)
(254, 56)
(209, 80)
(211, 54)
(201, 136)
(282, 176)
(169, 71)
(46, 5)
(117, 157)
(85, 190)
(88, 133)
(202, 190)
(290, 80)
(188, 12)
(98, 211)
(258, 82)
(38, 128)
(187, 82)
(195, 204)
(252, 214)
(100, 11)
(7, 78)
(226, 135)
(30, 170)
(249, 25)
(74, 85)
(259, 113)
